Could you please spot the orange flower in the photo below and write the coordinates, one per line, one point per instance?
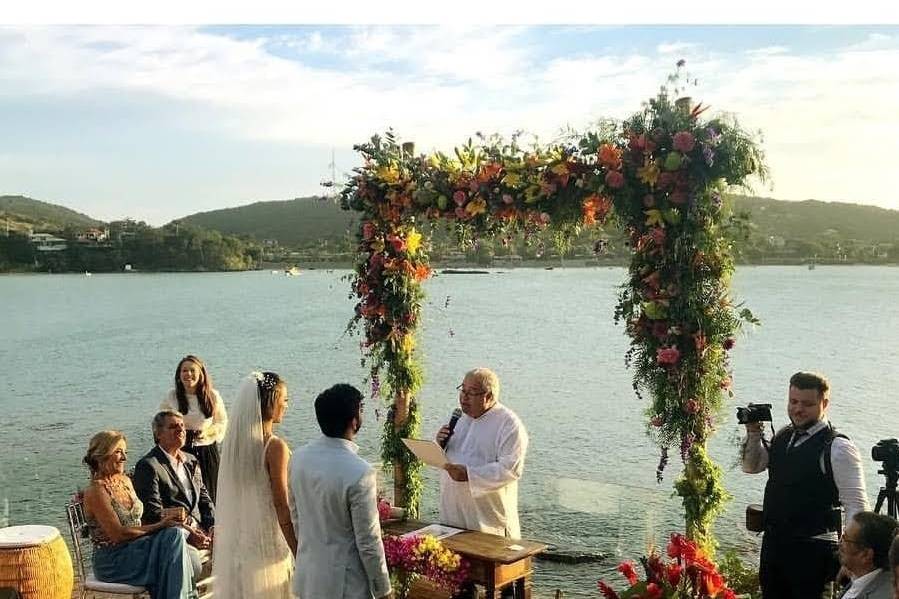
(595, 207)
(488, 172)
(610, 157)
(422, 272)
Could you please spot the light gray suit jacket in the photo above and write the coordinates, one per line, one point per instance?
(881, 587)
(333, 503)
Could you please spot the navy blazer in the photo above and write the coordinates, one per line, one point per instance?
(158, 487)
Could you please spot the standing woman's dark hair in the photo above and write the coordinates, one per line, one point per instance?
(205, 418)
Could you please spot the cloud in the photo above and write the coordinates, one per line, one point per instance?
(327, 86)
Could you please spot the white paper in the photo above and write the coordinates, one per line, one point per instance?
(428, 452)
(435, 530)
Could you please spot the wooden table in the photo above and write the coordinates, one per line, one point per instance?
(493, 564)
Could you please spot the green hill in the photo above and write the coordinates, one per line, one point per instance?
(298, 222)
(26, 213)
(810, 220)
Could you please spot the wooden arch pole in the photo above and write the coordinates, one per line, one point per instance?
(400, 416)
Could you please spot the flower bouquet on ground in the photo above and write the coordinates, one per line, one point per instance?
(689, 573)
(410, 557)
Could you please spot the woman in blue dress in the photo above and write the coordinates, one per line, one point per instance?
(153, 556)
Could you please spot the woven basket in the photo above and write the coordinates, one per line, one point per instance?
(40, 570)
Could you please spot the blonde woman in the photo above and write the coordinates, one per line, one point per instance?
(153, 556)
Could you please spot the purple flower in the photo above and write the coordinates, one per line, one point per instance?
(709, 155)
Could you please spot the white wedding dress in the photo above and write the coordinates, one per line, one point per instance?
(250, 557)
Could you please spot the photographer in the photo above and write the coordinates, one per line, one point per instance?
(812, 470)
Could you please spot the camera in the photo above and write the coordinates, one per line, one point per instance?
(754, 412)
(886, 451)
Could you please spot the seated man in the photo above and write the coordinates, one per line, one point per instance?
(864, 554)
(168, 478)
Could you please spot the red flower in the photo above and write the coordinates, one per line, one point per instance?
(683, 141)
(627, 569)
(614, 179)
(691, 407)
(729, 343)
(653, 591)
(607, 591)
(667, 356)
(368, 230)
(673, 573)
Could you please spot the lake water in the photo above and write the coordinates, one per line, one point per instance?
(81, 354)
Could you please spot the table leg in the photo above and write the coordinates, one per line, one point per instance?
(523, 587)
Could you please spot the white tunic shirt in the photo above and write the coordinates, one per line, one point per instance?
(492, 447)
(212, 428)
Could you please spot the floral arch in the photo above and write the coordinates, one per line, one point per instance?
(660, 175)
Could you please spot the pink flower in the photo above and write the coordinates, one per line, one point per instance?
(667, 356)
(691, 407)
(383, 509)
(460, 212)
(459, 198)
(683, 141)
(657, 421)
(368, 230)
(614, 179)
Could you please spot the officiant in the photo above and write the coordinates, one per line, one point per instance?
(485, 451)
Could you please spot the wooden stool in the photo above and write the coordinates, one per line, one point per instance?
(35, 561)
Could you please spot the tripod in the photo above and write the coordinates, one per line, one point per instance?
(888, 492)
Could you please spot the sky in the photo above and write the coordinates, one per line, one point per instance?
(155, 122)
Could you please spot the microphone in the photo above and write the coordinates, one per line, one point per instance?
(457, 413)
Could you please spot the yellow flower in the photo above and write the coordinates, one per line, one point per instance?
(388, 174)
(476, 206)
(560, 169)
(512, 179)
(413, 241)
(654, 217)
(408, 344)
(649, 173)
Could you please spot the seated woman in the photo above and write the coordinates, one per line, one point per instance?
(254, 536)
(153, 556)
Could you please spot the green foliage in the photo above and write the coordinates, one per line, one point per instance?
(743, 579)
(41, 215)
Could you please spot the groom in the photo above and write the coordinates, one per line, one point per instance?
(333, 503)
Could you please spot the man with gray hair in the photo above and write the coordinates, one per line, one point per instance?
(168, 478)
(486, 451)
(864, 554)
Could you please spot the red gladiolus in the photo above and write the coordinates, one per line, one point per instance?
(607, 591)
(627, 569)
(673, 573)
(653, 591)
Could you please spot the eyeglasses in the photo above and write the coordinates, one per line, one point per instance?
(461, 389)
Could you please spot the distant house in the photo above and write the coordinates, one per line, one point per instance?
(270, 243)
(45, 242)
(92, 236)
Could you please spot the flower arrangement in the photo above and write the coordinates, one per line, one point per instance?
(660, 175)
(689, 573)
(409, 557)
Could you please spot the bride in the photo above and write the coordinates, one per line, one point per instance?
(254, 537)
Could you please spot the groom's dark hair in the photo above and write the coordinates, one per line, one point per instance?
(336, 407)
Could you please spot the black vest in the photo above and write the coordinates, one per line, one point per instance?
(800, 500)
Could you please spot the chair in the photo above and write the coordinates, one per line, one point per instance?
(89, 584)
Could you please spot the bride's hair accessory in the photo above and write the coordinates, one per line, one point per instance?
(266, 380)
